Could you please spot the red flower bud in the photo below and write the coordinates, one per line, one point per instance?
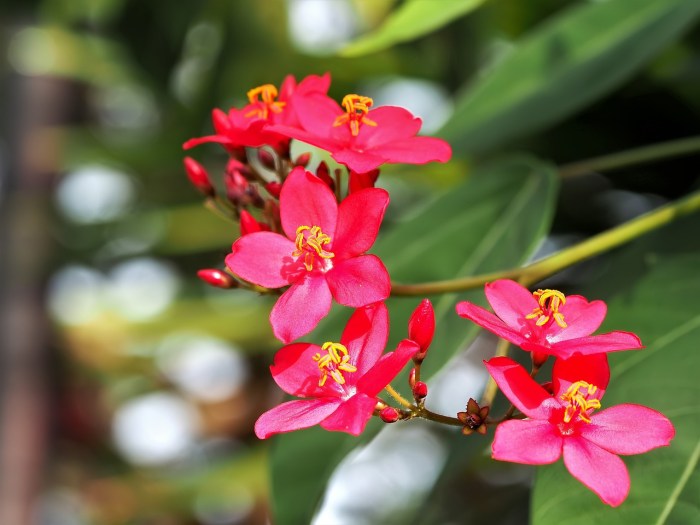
(250, 225)
(420, 390)
(267, 159)
(198, 176)
(274, 189)
(303, 159)
(421, 327)
(389, 415)
(538, 359)
(360, 181)
(323, 174)
(217, 278)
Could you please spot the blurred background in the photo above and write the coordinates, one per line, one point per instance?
(128, 388)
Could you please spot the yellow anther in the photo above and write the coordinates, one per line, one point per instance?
(333, 363)
(310, 241)
(266, 102)
(356, 109)
(549, 302)
(579, 403)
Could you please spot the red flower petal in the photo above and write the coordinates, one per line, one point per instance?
(360, 161)
(582, 319)
(219, 139)
(359, 218)
(300, 308)
(595, 344)
(296, 372)
(352, 415)
(306, 201)
(629, 429)
(415, 150)
(260, 258)
(528, 442)
(294, 415)
(365, 336)
(393, 123)
(523, 391)
(601, 471)
(490, 322)
(387, 368)
(359, 281)
(593, 369)
(510, 301)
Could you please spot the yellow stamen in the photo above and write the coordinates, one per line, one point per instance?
(268, 94)
(356, 108)
(311, 237)
(549, 303)
(333, 363)
(578, 401)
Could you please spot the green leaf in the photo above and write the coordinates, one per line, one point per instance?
(492, 221)
(652, 288)
(563, 65)
(413, 19)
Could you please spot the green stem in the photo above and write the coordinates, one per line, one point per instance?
(663, 150)
(591, 247)
(439, 418)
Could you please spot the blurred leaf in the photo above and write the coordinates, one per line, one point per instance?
(652, 288)
(413, 19)
(565, 64)
(490, 222)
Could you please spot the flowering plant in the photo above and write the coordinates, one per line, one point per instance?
(305, 234)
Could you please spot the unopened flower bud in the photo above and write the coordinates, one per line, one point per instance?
(420, 390)
(421, 327)
(389, 415)
(303, 159)
(267, 159)
(217, 278)
(360, 181)
(538, 359)
(274, 189)
(198, 176)
(250, 225)
(323, 174)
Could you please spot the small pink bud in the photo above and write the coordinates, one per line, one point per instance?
(412, 378)
(420, 390)
(323, 174)
(274, 189)
(389, 415)
(360, 181)
(217, 278)
(267, 159)
(421, 327)
(198, 176)
(303, 159)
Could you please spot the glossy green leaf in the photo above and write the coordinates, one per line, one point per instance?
(492, 221)
(413, 19)
(652, 288)
(563, 65)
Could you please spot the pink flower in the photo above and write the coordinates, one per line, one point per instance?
(340, 381)
(546, 321)
(249, 126)
(565, 424)
(321, 254)
(362, 138)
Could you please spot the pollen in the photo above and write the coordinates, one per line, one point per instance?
(356, 109)
(310, 243)
(549, 302)
(579, 402)
(333, 363)
(264, 98)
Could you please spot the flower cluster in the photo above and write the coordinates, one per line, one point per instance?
(305, 236)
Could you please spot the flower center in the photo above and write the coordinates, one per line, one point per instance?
(310, 241)
(356, 108)
(578, 401)
(333, 363)
(263, 97)
(549, 302)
